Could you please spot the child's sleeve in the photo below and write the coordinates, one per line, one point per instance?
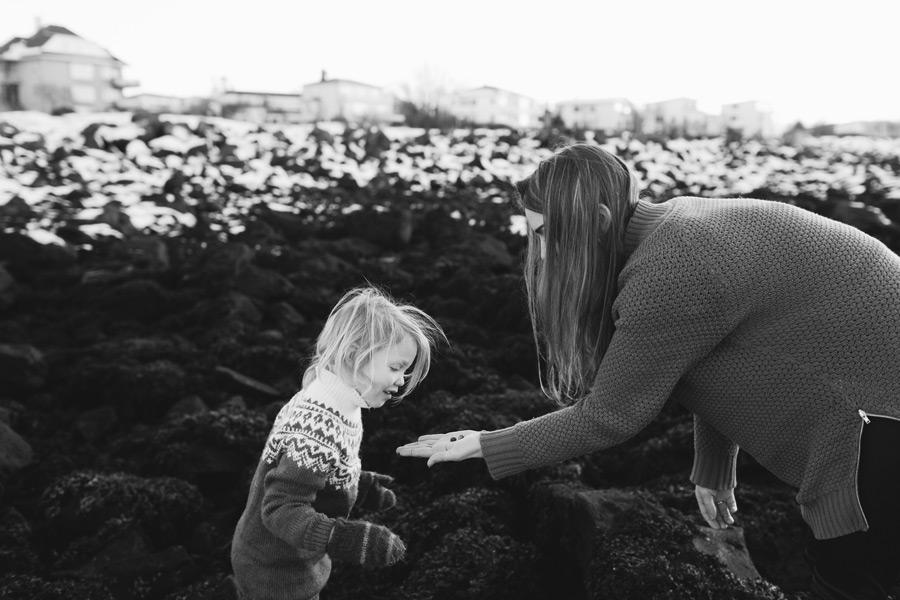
(289, 492)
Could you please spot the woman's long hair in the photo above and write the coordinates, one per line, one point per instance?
(586, 196)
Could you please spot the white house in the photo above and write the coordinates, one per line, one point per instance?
(610, 115)
(266, 107)
(752, 118)
(678, 117)
(57, 69)
(331, 99)
(869, 128)
(488, 105)
(159, 103)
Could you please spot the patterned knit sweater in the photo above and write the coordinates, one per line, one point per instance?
(775, 326)
(308, 476)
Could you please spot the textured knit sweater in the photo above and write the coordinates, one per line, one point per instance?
(307, 477)
(777, 328)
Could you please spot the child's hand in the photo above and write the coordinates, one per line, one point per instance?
(716, 506)
(365, 544)
(373, 495)
(438, 447)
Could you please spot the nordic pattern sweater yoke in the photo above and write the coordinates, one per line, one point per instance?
(773, 325)
(308, 476)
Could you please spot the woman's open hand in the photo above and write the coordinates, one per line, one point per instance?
(443, 447)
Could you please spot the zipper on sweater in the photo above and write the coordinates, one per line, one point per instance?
(865, 416)
(865, 421)
(862, 426)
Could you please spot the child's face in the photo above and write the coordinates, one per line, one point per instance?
(385, 373)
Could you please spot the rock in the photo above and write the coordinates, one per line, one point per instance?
(147, 575)
(269, 336)
(8, 289)
(140, 299)
(85, 503)
(138, 392)
(17, 213)
(113, 215)
(728, 547)
(225, 260)
(15, 452)
(96, 423)
(229, 308)
(143, 251)
(487, 251)
(23, 368)
(17, 551)
(262, 283)
(24, 586)
(626, 545)
(191, 405)
(248, 383)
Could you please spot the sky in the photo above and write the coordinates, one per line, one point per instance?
(809, 62)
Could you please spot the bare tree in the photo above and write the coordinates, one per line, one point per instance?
(429, 90)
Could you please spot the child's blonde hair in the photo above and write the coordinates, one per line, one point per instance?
(364, 321)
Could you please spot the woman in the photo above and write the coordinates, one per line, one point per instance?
(778, 328)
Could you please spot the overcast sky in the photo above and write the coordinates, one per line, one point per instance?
(809, 61)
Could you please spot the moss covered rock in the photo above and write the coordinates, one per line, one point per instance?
(84, 502)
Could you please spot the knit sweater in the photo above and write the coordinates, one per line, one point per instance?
(773, 325)
(307, 477)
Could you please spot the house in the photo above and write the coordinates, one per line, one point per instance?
(330, 99)
(678, 117)
(488, 105)
(610, 115)
(56, 69)
(886, 129)
(159, 103)
(751, 118)
(266, 107)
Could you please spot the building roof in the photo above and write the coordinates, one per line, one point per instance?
(248, 93)
(679, 99)
(594, 101)
(10, 44)
(494, 89)
(45, 33)
(42, 36)
(342, 81)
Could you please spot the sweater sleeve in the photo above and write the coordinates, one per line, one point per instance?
(289, 491)
(715, 458)
(671, 314)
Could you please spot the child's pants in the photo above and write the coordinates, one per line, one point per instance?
(866, 564)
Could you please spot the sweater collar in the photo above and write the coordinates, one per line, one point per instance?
(646, 218)
(329, 388)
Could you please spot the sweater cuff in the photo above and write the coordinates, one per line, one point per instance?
(318, 534)
(501, 453)
(715, 472)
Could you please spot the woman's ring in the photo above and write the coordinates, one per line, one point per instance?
(720, 502)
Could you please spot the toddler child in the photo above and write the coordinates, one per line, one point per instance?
(372, 349)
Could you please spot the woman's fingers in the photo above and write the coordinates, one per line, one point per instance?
(716, 506)
(732, 505)
(442, 447)
(416, 449)
(710, 514)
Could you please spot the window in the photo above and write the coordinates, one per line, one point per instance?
(9, 95)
